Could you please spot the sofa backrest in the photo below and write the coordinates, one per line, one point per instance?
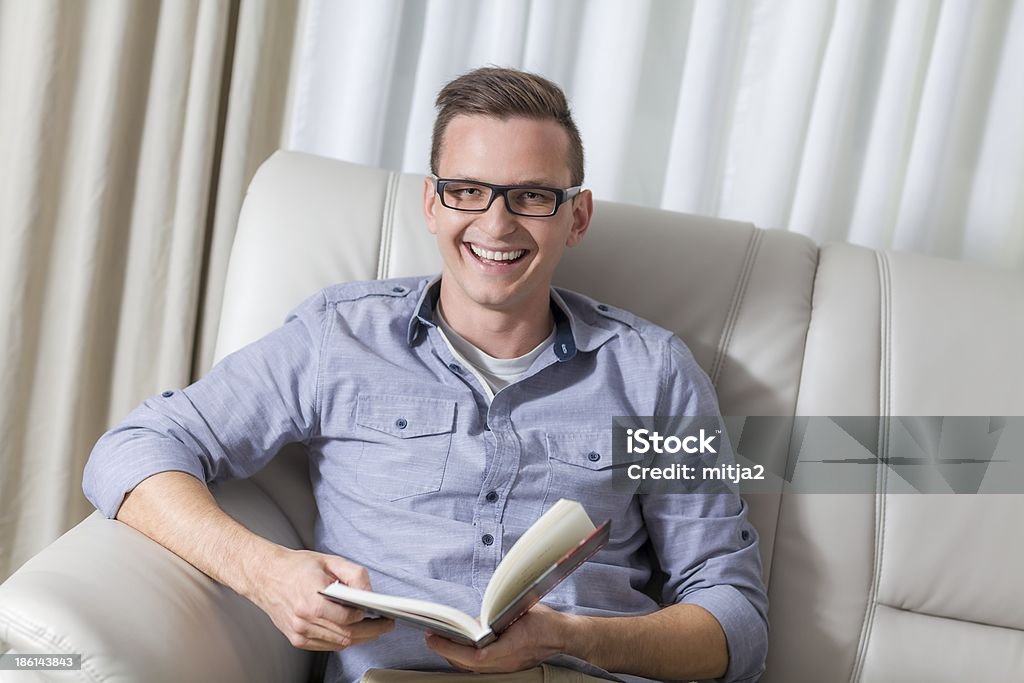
(904, 586)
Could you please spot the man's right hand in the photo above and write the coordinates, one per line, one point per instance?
(288, 593)
(177, 511)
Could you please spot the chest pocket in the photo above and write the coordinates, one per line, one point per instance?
(406, 440)
(580, 468)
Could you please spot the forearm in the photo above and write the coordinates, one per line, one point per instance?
(177, 511)
(678, 642)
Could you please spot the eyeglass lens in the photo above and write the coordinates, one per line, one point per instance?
(528, 201)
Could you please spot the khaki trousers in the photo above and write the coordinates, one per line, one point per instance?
(539, 674)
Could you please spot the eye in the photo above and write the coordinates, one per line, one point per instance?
(464, 191)
(535, 197)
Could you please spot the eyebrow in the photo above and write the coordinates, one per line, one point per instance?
(533, 182)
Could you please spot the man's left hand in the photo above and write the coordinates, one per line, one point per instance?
(536, 636)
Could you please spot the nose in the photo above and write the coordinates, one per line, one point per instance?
(497, 220)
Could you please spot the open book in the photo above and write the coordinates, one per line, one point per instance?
(551, 549)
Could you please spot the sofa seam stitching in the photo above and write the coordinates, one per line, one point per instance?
(387, 225)
(753, 245)
(731, 315)
(929, 615)
(887, 423)
(885, 374)
(713, 370)
(15, 621)
(883, 469)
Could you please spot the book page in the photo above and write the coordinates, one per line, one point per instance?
(395, 607)
(557, 532)
(547, 581)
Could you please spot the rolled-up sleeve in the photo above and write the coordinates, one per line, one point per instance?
(704, 542)
(228, 424)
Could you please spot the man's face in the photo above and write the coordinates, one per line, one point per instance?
(515, 151)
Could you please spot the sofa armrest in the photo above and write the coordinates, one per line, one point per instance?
(135, 611)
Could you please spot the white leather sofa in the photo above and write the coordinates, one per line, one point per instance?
(863, 587)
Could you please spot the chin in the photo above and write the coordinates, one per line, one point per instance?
(488, 292)
(492, 300)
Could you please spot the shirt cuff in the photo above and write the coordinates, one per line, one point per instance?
(746, 633)
(107, 484)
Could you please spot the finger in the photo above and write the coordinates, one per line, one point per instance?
(360, 632)
(321, 646)
(451, 650)
(336, 633)
(368, 629)
(349, 573)
(316, 637)
(338, 614)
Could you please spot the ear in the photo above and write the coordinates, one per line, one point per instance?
(429, 204)
(582, 211)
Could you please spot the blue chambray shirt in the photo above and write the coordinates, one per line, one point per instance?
(426, 484)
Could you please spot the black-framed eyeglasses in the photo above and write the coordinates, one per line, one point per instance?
(522, 200)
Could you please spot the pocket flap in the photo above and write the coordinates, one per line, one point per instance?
(592, 450)
(406, 417)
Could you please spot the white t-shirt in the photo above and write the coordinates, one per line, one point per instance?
(494, 373)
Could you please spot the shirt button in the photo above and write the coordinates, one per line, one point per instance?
(492, 497)
(487, 539)
(602, 307)
(745, 535)
(167, 394)
(455, 367)
(398, 290)
(401, 423)
(593, 456)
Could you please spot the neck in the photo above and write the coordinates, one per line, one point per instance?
(498, 332)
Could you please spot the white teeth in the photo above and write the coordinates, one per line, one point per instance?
(497, 255)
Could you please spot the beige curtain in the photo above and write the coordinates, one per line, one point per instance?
(129, 130)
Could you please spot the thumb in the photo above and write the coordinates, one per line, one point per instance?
(349, 573)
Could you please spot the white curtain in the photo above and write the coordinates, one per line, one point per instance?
(128, 133)
(893, 124)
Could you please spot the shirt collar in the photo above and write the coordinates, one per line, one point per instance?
(572, 334)
(423, 317)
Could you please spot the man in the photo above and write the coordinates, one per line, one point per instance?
(442, 417)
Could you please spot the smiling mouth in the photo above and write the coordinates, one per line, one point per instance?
(508, 256)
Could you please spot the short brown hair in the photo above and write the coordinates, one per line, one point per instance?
(502, 94)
